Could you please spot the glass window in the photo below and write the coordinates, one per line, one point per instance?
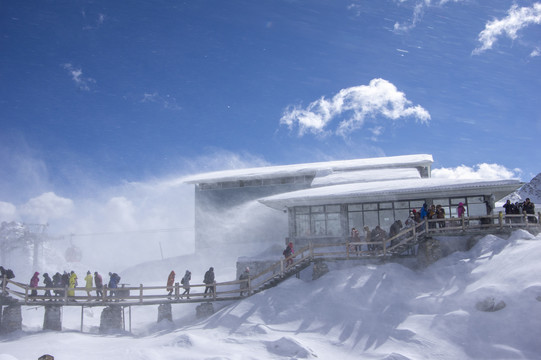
(442, 202)
(456, 201)
(332, 208)
(302, 210)
(355, 207)
(401, 214)
(401, 205)
(333, 224)
(318, 224)
(386, 219)
(355, 220)
(387, 205)
(317, 209)
(370, 207)
(371, 219)
(416, 204)
(476, 200)
(302, 224)
(476, 209)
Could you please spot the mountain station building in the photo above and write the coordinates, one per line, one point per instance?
(321, 202)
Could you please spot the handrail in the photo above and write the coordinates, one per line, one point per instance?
(231, 290)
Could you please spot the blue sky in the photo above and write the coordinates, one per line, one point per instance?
(97, 93)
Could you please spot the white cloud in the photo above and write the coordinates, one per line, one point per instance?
(516, 19)
(8, 211)
(418, 13)
(46, 207)
(353, 106)
(82, 82)
(166, 101)
(536, 52)
(96, 22)
(481, 171)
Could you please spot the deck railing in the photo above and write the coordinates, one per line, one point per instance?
(231, 290)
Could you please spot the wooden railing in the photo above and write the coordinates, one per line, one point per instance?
(231, 290)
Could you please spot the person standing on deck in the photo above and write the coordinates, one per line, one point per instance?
(72, 283)
(99, 284)
(48, 283)
(88, 284)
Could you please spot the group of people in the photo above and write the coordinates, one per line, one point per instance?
(520, 208)
(65, 284)
(208, 280)
(377, 235)
(7, 273)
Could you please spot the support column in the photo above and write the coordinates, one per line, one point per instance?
(12, 319)
(165, 312)
(319, 269)
(204, 310)
(52, 320)
(111, 320)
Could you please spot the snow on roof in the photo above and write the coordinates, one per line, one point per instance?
(348, 177)
(391, 190)
(412, 161)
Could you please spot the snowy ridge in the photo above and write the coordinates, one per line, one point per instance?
(371, 312)
(530, 190)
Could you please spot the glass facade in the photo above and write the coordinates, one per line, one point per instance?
(318, 221)
(325, 220)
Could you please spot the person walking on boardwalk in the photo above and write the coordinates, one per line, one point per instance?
(288, 254)
(209, 281)
(114, 279)
(48, 283)
(57, 284)
(186, 284)
(88, 284)
(72, 283)
(98, 281)
(244, 286)
(170, 282)
(65, 281)
(34, 281)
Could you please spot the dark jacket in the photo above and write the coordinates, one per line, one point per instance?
(209, 276)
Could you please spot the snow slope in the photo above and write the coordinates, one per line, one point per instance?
(370, 312)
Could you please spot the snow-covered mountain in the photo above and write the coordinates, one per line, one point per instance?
(479, 304)
(530, 190)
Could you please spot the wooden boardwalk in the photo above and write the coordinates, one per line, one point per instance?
(403, 244)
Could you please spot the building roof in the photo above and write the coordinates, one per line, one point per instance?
(349, 177)
(404, 161)
(392, 190)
